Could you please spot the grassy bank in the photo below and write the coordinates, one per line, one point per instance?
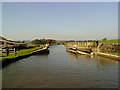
(118, 54)
(114, 41)
(21, 52)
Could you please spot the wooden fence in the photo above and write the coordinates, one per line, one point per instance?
(7, 51)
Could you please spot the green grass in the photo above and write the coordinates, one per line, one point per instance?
(31, 45)
(118, 54)
(21, 53)
(114, 41)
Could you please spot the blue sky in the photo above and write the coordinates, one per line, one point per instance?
(60, 20)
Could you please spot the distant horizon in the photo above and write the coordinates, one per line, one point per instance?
(58, 39)
(60, 20)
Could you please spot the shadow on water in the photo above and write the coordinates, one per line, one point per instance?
(6, 63)
(103, 61)
(43, 54)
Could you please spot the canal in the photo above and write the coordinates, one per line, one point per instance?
(61, 69)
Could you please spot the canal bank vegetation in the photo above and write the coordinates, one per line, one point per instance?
(14, 49)
(114, 41)
(21, 52)
(103, 47)
(117, 53)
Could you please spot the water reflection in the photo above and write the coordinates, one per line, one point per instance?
(46, 53)
(78, 56)
(1, 79)
(105, 61)
(0, 64)
(91, 58)
(61, 69)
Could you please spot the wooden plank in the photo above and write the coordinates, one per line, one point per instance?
(83, 53)
(80, 52)
(84, 49)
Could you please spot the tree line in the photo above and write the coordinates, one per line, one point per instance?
(43, 41)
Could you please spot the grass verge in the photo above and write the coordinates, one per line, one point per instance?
(114, 41)
(118, 54)
(22, 52)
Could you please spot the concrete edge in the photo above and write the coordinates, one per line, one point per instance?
(109, 55)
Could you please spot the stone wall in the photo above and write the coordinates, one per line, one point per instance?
(102, 47)
(109, 48)
(81, 44)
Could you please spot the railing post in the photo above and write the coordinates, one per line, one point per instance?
(7, 51)
(14, 51)
(76, 50)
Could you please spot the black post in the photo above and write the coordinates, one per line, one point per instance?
(97, 43)
(7, 51)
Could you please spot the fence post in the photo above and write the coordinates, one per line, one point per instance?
(97, 43)
(14, 51)
(7, 51)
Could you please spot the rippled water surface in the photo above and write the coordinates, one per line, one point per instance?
(61, 69)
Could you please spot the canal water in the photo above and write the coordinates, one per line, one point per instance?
(61, 69)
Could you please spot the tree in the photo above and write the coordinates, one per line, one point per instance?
(104, 39)
(2, 38)
(50, 41)
(36, 41)
(22, 41)
(43, 41)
